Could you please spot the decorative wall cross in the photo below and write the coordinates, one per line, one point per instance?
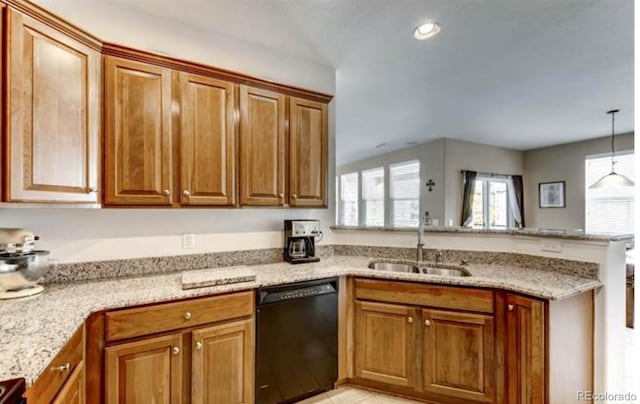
(430, 185)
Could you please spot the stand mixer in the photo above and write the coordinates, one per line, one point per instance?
(21, 265)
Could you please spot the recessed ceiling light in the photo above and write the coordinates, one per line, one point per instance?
(426, 30)
(380, 145)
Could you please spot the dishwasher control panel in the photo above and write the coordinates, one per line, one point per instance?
(303, 291)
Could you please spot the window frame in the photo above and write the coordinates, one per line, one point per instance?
(340, 200)
(391, 200)
(486, 179)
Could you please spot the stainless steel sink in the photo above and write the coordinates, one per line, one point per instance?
(416, 268)
(394, 267)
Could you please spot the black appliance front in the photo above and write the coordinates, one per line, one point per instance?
(297, 340)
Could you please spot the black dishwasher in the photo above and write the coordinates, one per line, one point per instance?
(297, 340)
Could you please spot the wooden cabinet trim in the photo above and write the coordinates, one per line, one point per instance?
(29, 164)
(426, 295)
(165, 317)
(298, 170)
(53, 378)
(73, 391)
(221, 169)
(114, 132)
(241, 388)
(169, 345)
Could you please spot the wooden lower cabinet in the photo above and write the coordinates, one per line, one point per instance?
(222, 364)
(146, 371)
(385, 343)
(526, 350)
(73, 392)
(458, 354)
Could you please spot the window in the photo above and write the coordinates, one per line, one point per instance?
(373, 196)
(348, 199)
(609, 210)
(404, 181)
(491, 203)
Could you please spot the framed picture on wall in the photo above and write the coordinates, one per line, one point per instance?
(552, 194)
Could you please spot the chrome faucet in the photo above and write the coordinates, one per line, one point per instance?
(439, 255)
(420, 246)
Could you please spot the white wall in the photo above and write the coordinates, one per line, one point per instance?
(461, 155)
(563, 163)
(431, 159)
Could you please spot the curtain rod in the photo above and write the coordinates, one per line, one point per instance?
(488, 174)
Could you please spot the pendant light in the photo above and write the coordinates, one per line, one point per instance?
(612, 180)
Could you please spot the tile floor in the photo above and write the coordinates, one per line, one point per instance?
(350, 395)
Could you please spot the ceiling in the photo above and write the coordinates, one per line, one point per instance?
(520, 74)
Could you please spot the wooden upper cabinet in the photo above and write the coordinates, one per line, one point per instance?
(146, 371)
(385, 343)
(223, 364)
(526, 351)
(137, 133)
(208, 132)
(53, 117)
(262, 147)
(308, 153)
(458, 355)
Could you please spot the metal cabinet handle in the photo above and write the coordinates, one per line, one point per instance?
(93, 190)
(198, 345)
(281, 196)
(166, 192)
(510, 307)
(175, 350)
(63, 368)
(294, 196)
(409, 319)
(186, 193)
(187, 315)
(427, 322)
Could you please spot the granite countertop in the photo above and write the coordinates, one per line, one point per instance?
(33, 330)
(528, 232)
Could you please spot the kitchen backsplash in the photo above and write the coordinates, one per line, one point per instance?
(85, 271)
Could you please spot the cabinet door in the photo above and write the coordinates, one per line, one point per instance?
(223, 364)
(53, 116)
(208, 131)
(385, 343)
(146, 371)
(73, 391)
(526, 350)
(137, 133)
(308, 153)
(458, 354)
(262, 128)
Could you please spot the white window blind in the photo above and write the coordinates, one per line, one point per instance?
(404, 183)
(348, 199)
(609, 210)
(373, 196)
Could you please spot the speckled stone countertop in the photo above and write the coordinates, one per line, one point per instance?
(528, 232)
(32, 331)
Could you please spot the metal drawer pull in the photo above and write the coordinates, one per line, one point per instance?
(510, 307)
(186, 193)
(198, 345)
(187, 316)
(166, 192)
(63, 368)
(409, 319)
(427, 323)
(175, 350)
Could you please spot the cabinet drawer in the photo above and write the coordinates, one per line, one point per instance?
(45, 389)
(139, 321)
(419, 294)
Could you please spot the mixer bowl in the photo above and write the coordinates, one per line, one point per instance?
(31, 266)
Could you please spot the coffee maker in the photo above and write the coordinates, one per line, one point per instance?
(300, 241)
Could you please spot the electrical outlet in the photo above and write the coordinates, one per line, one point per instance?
(188, 241)
(551, 245)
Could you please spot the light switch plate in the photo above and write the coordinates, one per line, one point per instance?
(188, 241)
(551, 245)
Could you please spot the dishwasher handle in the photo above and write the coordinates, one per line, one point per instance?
(301, 291)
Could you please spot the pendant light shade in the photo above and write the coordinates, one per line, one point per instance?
(613, 179)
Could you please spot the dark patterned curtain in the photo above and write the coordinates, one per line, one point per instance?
(469, 182)
(518, 190)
